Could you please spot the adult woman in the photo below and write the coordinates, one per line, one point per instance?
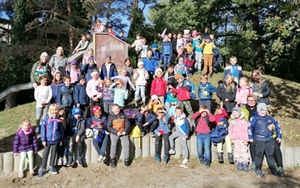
(260, 87)
(226, 92)
(59, 61)
(39, 69)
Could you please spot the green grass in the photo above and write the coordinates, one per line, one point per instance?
(285, 99)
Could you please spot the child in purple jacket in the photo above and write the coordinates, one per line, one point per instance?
(25, 143)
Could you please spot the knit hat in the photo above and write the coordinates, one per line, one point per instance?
(186, 32)
(262, 107)
(157, 70)
(178, 76)
(74, 62)
(154, 97)
(95, 108)
(154, 45)
(81, 77)
(140, 63)
(91, 58)
(180, 60)
(237, 109)
(76, 111)
(44, 54)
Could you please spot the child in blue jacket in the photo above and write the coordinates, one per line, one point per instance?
(146, 121)
(166, 52)
(81, 99)
(205, 90)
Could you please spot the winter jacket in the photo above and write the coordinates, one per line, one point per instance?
(265, 90)
(223, 94)
(141, 118)
(183, 91)
(52, 130)
(74, 74)
(39, 70)
(157, 55)
(91, 90)
(235, 70)
(163, 125)
(80, 96)
(77, 126)
(66, 96)
(258, 128)
(107, 95)
(55, 91)
(25, 142)
(150, 64)
(181, 69)
(248, 112)
(158, 87)
(218, 117)
(207, 48)
(116, 123)
(196, 45)
(170, 79)
(182, 125)
(141, 76)
(238, 129)
(154, 107)
(42, 94)
(59, 63)
(120, 95)
(166, 48)
(129, 71)
(112, 71)
(202, 127)
(96, 121)
(86, 69)
(170, 98)
(205, 91)
(242, 94)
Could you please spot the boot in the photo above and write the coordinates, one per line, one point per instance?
(113, 163)
(230, 158)
(220, 157)
(245, 167)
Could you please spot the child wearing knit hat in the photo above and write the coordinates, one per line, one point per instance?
(140, 76)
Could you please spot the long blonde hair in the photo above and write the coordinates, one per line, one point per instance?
(231, 86)
(259, 76)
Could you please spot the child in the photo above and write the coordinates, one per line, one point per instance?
(120, 94)
(233, 69)
(81, 98)
(91, 89)
(207, 46)
(159, 86)
(51, 136)
(261, 131)
(144, 48)
(108, 69)
(88, 68)
(62, 150)
(56, 84)
(66, 97)
(77, 138)
(107, 96)
(238, 133)
(125, 79)
(154, 104)
(203, 129)
(182, 130)
(146, 121)
(181, 68)
(205, 90)
(179, 45)
(166, 52)
(89, 53)
(140, 76)
(118, 125)
(42, 95)
(137, 46)
(25, 143)
(128, 67)
(150, 63)
(98, 27)
(156, 52)
(162, 132)
(188, 54)
(198, 51)
(83, 43)
(100, 138)
(221, 120)
(171, 100)
(74, 72)
(243, 92)
(169, 76)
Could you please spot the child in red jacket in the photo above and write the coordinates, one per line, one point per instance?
(159, 86)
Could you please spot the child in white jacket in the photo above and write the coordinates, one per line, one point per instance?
(140, 76)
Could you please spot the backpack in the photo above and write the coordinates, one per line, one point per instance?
(192, 90)
(186, 127)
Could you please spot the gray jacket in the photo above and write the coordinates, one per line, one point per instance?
(59, 63)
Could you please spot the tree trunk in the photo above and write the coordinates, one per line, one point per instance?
(135, 5)
(71, 32)
(108, 14)
(10, 101)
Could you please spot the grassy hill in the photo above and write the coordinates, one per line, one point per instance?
(285, 99)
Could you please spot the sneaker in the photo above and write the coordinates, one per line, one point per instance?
(166, 159)
(152, 134)
(21, 175)
(60, 161)
(172, 152)
(275, 173)
(157, 158)
(126, 163)
(207, 165)
(201, 161)
(259, 173)
(41, 173)
(65, 161)
(52, 170)
(113, 163)
(253, 166)
(185, 161)
(79, 162)
(100, 159)
(280, 170)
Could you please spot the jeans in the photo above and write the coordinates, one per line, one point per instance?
(203, 142)
(47, 149)
(63, 149)
(158, 144)
(101, 150)
(167, 60)
(40, 114)
(142, 93)
(80, 145)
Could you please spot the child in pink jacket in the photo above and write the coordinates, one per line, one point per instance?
(92, 91)
(242, 92)
(238, 134)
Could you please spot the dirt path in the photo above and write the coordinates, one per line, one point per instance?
(148, 173)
